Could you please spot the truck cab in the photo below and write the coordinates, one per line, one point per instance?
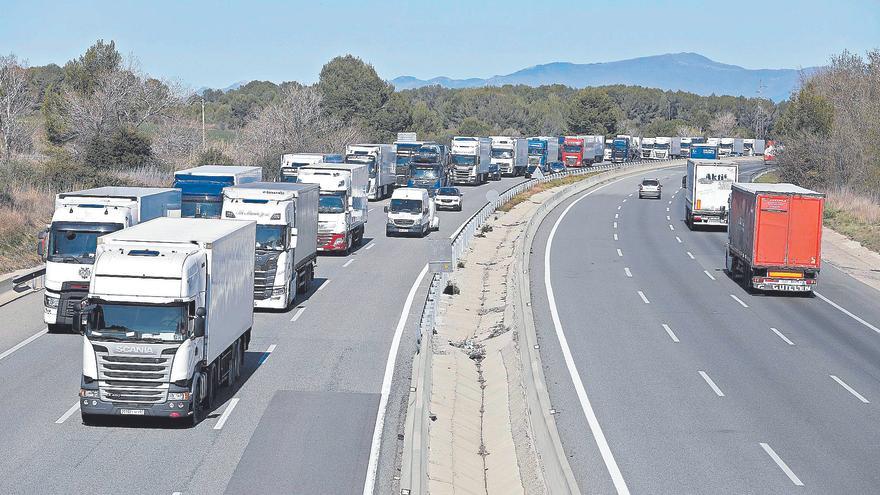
(291, 163)
(573, 152)
(404, 152)
(411, 211)
(646, 150)
(620, 150)
(470, 159)
(202, 187)
(428, 169)
(342, 204)
(380, 161)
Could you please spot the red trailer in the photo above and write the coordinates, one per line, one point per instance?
(775, 236)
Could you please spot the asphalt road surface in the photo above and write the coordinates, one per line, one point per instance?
(301, 420)
(670, 378)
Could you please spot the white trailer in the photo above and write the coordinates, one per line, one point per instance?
(285, 253)
(291, 163)
(68, 244)
(667, 147)
(342, 204)
(470, 158)
(511, 154)
(753, 147)
(707, 194)
(168, 318)
(381, 163)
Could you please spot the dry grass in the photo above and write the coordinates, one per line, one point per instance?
(543, 186)
(771, 177)
(855, 216)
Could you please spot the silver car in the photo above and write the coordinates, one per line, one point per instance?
(650, 188)
(448, 198)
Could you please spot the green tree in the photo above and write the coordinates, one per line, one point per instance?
(52, 108)
(808, 113)
(124, 148)
(472, 126)
(395, 116)
(82, 75)
(213, 156)
(592, 111)
(352, 90)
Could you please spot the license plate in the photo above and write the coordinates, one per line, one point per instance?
(132, 412)
(793, 288)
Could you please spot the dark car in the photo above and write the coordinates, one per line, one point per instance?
(494, 172)
(556, 167)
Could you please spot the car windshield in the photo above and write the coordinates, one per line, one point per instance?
(77, 242)
(649, 182)
(497, 153)
(572, 148)
(331, 203)
(463, 160)
(138, 322)
(424, 173)
(200, 208)
(447, 191)
(271, 237)
(405, 206)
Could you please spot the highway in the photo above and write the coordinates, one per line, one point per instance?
(667, 377)
(302, 420)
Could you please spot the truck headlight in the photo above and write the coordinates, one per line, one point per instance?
(92, 394)
(279, 291)
(50, 301)
(178, 395)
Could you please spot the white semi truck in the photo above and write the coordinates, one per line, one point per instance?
(646, 149)
(470, 159)
(667, 147)
(753, 147)
(381, 163)
(285, 253)
(707, 193)
(411, 211)
(510, 154)
(202, 187)
(730, 147)
(342, 204)
(167, 319)
(292, 162)
(68, 244)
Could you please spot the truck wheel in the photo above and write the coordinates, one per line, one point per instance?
(198, 413)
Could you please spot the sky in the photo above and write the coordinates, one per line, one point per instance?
(216, 43)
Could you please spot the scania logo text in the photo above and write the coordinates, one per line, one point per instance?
(132, 349)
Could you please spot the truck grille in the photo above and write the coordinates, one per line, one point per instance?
(265, 268)
(404, 223)
(462, 175)
(133, 379)
(324, 238)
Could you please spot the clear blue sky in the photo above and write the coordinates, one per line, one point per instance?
(214, 44)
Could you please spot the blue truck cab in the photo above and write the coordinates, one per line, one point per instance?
(620, 150)
(202, 187)
(428, 169)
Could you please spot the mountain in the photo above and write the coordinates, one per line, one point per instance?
(674, 71)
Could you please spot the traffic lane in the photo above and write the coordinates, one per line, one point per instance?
(23, 318)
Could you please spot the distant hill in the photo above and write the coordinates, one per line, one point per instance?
(675, 71)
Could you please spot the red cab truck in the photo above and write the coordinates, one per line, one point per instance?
(775, 237)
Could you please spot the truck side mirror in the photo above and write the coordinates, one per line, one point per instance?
(81, 319)
(291, 237)
(199, 323)
(386, 209)
(42, 238)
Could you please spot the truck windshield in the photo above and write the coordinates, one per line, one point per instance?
(405, 206)
(76, 242)
(501, 153)
(370, 162)
(662, 146)
(200, 207)
(463, 160)
(424, 173)
(572, 148)
(534, 160)
(138, 322)
(271, 237)
(331, 203)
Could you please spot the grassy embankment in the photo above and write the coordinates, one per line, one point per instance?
(543, 186)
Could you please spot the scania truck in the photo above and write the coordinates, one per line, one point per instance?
(667, 147)
(202, 187)
(285, 253)
(470, 157)
(381, 161)
(342, 204)
(707, 194)
(510, 154)
(68, 244)
(167, 319)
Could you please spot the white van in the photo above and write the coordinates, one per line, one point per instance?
(411, 211)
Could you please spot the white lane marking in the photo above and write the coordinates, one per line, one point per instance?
(617, 215)
(226, 412)
(619, 253)
(667, 208)
(708, 274)
(175, 493)
(24, 343)
(266, 355)
(348, 263)
(373, 465)
(63, 418)
(673, 196)
(371, 209)
(829, 301)
(782, 465)
(671, 227)
(615, 225)
(645, 299)
(677, 238)
(850, 389)
(782, 336)
(298, 313)
(711, 383)
(668, 218)
(691, 256)
(630, 195)
(625, 199)
(740, 301)
(370, 246)
(327, 281)
(589, 413)
(670, 202)
(615, 237)
(670, 333)
(627, 272)
(618, 207)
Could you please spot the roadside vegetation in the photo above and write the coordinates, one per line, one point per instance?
(543, 186)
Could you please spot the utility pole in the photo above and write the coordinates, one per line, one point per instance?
(203, 124)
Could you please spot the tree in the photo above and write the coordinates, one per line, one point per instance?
(54, 123)
(83, 74)
(395, 116)
(592, 111)
(723, 124)
(14, 100)
(472, 126)
(352, 91)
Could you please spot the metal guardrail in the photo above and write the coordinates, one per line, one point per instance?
(32, 280)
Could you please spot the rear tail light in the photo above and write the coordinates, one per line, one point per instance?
(698, 218)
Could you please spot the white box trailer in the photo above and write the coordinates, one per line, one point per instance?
(707, 195)
(168, 319)
(285, 254)
(381, 163)
(342, 203)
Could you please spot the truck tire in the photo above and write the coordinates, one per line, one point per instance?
(198, 413)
